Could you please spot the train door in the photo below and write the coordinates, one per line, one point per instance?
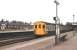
(40, 29)
(44, 28)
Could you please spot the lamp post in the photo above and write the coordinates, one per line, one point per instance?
(73, 24)
(57, 24)
(73, 18)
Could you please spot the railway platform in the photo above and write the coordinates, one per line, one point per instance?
(68, 45)
(8, 31)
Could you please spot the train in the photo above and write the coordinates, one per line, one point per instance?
(42, 28)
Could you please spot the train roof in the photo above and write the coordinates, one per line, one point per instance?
(44, 22)
(47, 23)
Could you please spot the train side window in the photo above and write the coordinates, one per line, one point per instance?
(39, 25)
(35, 26)
(43, 26)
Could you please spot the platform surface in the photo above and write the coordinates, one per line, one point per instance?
(8, 31)
(68, 45)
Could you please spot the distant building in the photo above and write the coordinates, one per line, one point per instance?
(5, 25)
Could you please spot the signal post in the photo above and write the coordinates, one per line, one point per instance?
(57, 23)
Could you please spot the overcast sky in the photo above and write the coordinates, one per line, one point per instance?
(35, 10)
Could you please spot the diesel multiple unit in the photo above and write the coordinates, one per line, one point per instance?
(41, 28)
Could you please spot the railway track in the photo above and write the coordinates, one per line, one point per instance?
(16, 40)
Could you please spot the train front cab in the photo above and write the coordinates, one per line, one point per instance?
(40, 29)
